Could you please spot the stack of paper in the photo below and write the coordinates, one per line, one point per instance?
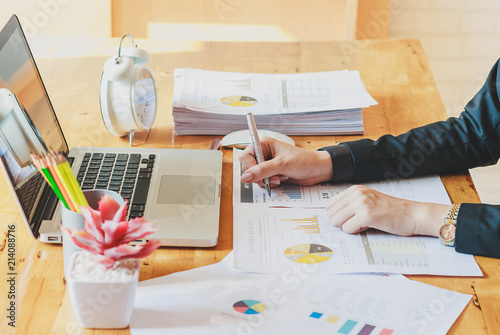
(322, 103)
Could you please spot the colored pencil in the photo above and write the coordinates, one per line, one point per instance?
(57, 172)
(59, 183)
(61, 173)
(40, 165)
(72, 206)
(63, 162)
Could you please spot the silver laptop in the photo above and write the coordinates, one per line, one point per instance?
(178, 189)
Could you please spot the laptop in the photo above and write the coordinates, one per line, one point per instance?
(178, 190)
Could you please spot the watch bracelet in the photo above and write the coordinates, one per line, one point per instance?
(452, 215)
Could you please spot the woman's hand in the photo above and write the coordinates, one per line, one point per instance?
(359, 208)
(285, 162)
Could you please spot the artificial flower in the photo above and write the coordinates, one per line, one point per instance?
(108, 234)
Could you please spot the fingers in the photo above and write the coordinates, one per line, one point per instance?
(355, 224)
(291, 164)
(284, 179)
(341, 200)
(259, 172)
(339, 208)
(359, 208)
(345, 210)
(263, 170)
(340, 217)
(247, 158)
(274, 181)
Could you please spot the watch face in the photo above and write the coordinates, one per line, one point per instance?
(447, 232)
(145, 98)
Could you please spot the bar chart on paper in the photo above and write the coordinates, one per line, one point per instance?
(283, 195)
(307, 225)
(346, 326)
(384, 249)
(293, 192)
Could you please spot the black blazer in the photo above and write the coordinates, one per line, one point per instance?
(454, 145)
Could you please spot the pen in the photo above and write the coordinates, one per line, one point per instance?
(257, 147)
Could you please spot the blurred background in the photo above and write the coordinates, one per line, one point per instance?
(461, 38)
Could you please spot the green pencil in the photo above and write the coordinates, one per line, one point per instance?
(39, 163)
(53, 184)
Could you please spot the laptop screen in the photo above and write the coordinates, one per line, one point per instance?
(19, 74)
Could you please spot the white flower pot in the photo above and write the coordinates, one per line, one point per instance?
(75, 221)
(102, 303)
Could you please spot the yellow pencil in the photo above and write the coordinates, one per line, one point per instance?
(73, 206)
(66, 183)
(82, 201)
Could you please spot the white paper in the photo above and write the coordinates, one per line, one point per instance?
(299, 301)
(422, 189)
(214, 91)
(264, 232)
(320, 103)
(273, 240)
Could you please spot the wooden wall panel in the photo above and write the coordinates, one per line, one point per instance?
(373, 19)
(298, 20)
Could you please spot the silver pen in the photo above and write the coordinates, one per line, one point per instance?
(257, 147)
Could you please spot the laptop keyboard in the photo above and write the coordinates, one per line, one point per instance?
(127, 174)
(28, 192)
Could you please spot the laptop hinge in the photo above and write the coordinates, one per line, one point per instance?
(44, 210)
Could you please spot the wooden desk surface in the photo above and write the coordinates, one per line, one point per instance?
(396, 74)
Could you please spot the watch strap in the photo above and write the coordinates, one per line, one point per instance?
(451, 218)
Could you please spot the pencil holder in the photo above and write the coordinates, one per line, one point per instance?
(75, 221)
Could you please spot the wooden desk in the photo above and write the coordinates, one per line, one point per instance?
(396, 74)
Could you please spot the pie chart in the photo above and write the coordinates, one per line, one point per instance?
(249, 307)
(308, 253)
(239, 101)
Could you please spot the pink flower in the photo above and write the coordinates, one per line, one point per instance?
(106, 233)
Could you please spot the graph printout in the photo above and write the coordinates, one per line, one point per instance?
(219, 300)
(274, 240)
(423, 189)
(240, 93)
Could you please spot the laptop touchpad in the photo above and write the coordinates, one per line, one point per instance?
(190, 190)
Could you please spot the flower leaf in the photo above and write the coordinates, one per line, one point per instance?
(107, 206)
(125, 251)
(93, 223)
(121, 213)
(84, 240)
(114, 232)
(138, 228)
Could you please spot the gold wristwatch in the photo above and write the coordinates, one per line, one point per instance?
(449, 227)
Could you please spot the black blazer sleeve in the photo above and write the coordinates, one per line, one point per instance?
(478, 230)
(471, 140)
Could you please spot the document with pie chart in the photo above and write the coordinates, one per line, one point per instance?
(322, 103)
(274, 240)
(235, 93)
(218, 300)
